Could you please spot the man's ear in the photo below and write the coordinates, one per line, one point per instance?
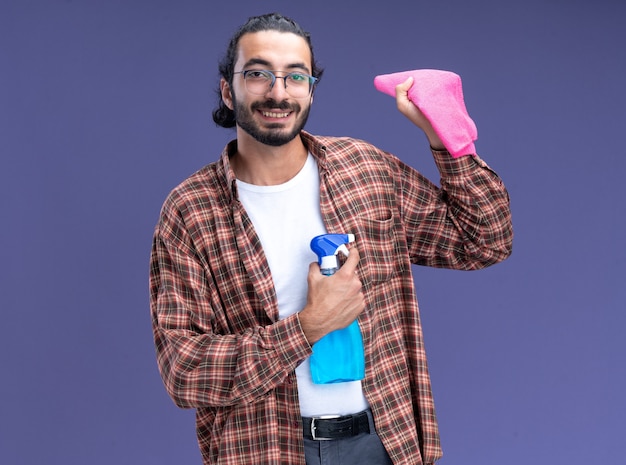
(227, 97)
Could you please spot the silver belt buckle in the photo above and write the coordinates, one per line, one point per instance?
(314, 428)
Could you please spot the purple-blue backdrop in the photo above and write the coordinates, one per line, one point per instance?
(105, 106)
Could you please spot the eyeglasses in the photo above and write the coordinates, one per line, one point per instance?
(261, 81)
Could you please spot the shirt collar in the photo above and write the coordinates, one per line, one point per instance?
(317, 149)
(312, 143)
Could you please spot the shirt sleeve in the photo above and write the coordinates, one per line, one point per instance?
(465, 223)
(202, 366)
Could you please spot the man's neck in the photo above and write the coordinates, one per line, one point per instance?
(265, 165)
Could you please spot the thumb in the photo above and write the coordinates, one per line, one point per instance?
(314, 269)
(402, 89)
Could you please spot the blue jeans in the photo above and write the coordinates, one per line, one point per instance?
(363, 449)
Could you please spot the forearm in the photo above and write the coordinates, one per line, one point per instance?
(212, 351)
(465, 223)
(201, 370)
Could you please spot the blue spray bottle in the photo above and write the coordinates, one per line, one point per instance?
(337, 357)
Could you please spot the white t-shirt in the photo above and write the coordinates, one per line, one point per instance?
(286, 217)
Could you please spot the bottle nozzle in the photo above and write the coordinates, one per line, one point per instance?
(327, 246)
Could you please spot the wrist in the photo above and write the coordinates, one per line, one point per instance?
(310, 330)
(435, 141)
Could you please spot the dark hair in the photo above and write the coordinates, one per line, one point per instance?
(224, 116)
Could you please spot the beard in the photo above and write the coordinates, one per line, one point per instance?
(275, 134)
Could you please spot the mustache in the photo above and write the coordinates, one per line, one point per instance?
(275, 105)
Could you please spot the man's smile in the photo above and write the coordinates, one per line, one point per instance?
(273, 114)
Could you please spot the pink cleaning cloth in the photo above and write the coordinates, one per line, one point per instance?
(439, 95)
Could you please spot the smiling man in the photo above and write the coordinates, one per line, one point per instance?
(270, 107)
(282, 118)
(238, 301)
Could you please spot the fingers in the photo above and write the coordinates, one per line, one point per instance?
(352, 261)
(333, 302)
(402, 89)
(350, 264)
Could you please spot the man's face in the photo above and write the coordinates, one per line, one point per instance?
(275, 118)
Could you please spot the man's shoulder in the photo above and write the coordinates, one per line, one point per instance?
(336, 141)
(342, 148)
(203, 187)
(203, 178)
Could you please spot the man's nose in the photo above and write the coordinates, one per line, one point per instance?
(279, 88)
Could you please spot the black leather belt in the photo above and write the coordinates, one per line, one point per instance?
(329, 427)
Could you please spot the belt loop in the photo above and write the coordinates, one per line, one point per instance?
(370, 421)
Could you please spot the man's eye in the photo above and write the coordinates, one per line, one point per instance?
(296, 77)
(257, 75)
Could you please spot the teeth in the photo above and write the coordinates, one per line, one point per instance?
(275, 115)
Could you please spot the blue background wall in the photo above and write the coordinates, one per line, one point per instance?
(105, 106)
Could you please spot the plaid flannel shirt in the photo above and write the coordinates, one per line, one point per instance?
(221, 348)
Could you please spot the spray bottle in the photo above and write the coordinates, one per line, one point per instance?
(337, 357)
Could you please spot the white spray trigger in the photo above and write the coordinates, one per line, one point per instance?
(343, 249)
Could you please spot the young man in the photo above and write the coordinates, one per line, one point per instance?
(237, 302)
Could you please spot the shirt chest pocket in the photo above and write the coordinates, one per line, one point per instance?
(379, 246)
